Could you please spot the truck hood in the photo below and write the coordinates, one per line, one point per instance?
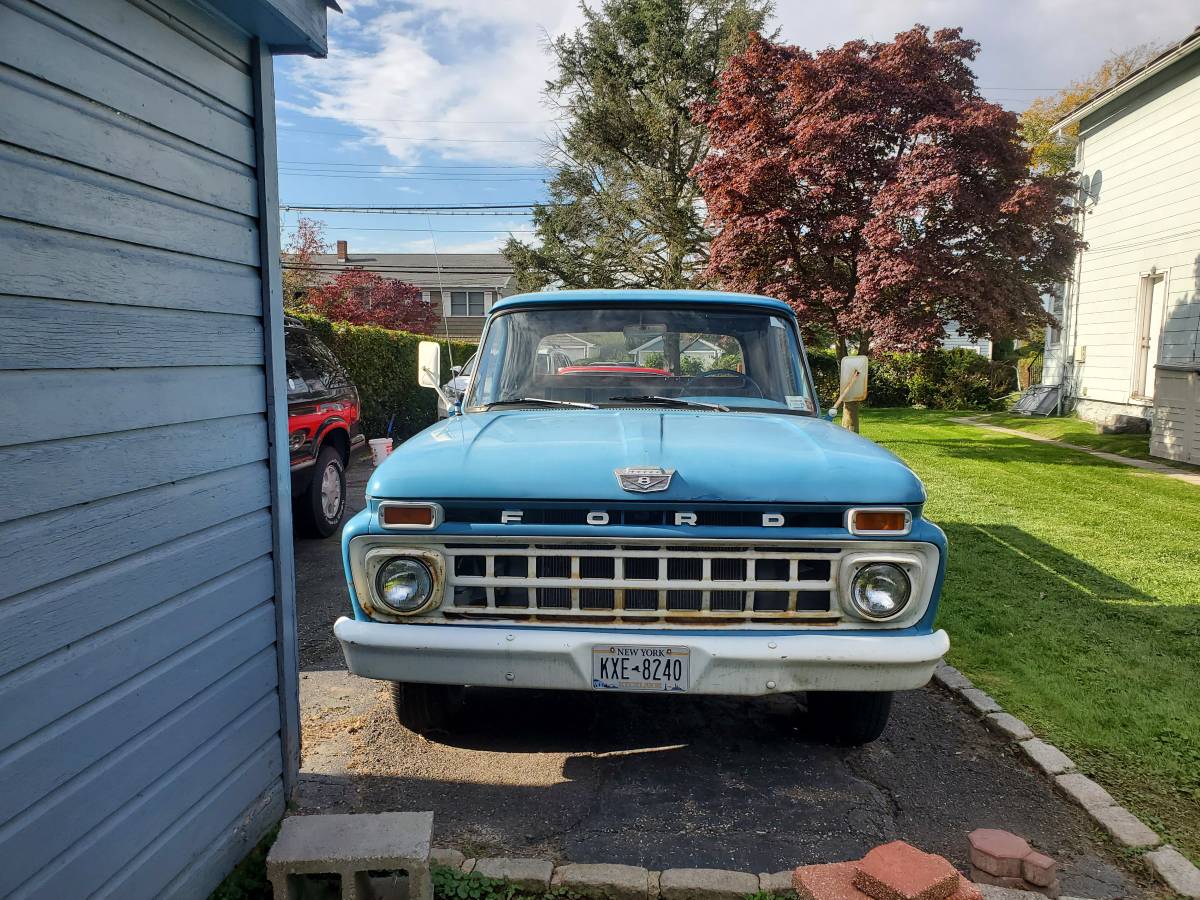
(572, 454)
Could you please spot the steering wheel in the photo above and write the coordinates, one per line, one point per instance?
(744, 380)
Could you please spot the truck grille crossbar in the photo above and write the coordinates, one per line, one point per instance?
(640, 581)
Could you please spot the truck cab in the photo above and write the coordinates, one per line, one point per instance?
(682, 521)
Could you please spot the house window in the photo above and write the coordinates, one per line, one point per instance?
(1057, 309)
(1148, 327)
(466, 303)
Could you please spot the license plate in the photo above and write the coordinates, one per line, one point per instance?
(617, 667)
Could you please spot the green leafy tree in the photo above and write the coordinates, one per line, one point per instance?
(1052, 152)
(624, 209)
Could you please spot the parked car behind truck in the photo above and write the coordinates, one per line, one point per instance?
(323, 429)
(632, 529)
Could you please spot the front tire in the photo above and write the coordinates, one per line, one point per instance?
(849, 718)
(427, 708)
(321, 508)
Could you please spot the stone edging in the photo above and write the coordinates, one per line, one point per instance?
(1167, 863)
(612, 881)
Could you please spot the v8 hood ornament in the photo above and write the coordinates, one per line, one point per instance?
(644, 479)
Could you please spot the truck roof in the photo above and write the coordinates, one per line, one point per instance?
(641, 295)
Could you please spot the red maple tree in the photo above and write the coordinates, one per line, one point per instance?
(874, 189)
(367, 298)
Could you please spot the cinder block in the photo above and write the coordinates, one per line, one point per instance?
(998, 852)
(706, 884)
(527, 874)
(348, 846)
(603, 880)
(899, 871)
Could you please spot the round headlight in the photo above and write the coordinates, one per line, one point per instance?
(404, 585)
(880, 590)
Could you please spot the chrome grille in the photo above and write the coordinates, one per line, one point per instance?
(640, 581)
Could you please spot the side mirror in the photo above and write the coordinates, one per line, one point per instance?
(429, 365)
(456, 370)
(853, 380)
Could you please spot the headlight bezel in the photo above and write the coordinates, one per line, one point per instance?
(919, 565)
(367, 588)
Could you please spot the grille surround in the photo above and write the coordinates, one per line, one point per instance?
(498, 598)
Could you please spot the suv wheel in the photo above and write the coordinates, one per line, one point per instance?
(849, 718)
(427, 708)
(324, 503)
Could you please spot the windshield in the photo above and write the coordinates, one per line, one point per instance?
(735, 358)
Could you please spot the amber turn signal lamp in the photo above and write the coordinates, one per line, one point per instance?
(879, 521)
(414, 515)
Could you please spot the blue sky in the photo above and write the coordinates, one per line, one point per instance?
(439, 101)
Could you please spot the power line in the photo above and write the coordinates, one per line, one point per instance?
(431, 139)
(336, 164)
(425, 230)
(453, 121)
(497, 179)
(480, 209)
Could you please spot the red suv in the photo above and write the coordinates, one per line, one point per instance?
(323, 427)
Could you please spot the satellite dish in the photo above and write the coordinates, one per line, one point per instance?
(1089, 188)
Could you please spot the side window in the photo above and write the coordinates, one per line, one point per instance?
(332, 373)
(297, 386)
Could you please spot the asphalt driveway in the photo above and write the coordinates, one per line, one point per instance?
(669, 781)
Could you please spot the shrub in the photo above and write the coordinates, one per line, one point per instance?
(383, 365)
(941, 379)
(824, 365)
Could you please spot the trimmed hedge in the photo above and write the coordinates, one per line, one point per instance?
(383, 365)
(940, 379)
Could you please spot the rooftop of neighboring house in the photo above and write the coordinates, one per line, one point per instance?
(1169, 57)
(487, 271)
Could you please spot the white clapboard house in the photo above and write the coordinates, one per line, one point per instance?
(1129, 336)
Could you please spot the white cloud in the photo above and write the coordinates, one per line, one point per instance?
(407, 75)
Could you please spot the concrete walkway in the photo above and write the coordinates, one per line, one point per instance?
(1192, 478)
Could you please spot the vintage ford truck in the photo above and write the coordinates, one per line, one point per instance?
(669, 513)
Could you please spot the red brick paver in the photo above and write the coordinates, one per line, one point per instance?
(899, 871)
(998, 852)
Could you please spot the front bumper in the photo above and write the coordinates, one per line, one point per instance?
(562, 659)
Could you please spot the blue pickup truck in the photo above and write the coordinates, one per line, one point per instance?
(669, 513)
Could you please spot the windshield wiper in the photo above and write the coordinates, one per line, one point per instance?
(516, 401)
(670, 401)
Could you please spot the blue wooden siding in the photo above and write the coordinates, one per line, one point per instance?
(144, 739)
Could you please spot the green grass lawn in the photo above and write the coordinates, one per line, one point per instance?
(1073, 596)
(1084, 434)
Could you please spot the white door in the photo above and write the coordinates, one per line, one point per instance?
(1150, 318)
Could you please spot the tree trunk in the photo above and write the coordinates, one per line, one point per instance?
(850, 415)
